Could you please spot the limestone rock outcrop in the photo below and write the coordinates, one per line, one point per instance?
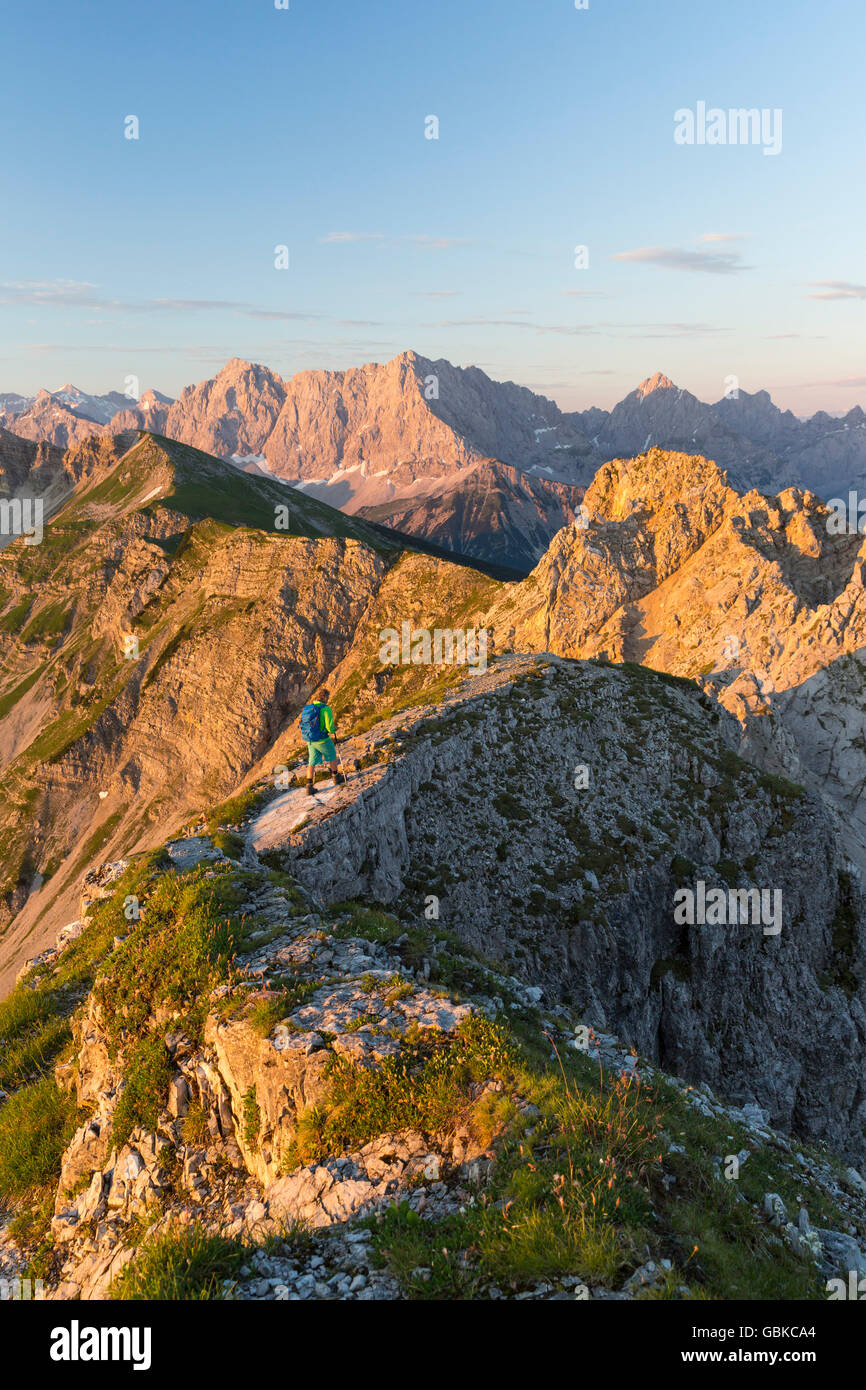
(567, 872)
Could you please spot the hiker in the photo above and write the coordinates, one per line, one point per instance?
(317, 728)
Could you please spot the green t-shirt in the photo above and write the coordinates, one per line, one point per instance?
(326, 719)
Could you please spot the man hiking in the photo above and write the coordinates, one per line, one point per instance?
(317, 728)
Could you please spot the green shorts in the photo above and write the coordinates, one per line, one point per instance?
(322, 752)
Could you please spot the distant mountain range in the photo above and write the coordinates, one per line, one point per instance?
(66, 416)
(488, 468)
(758, 444)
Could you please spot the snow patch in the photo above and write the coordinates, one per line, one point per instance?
(250, 458)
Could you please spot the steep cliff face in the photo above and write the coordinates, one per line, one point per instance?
(385, 438)
(667, 530)
(42, 470)
(151, 648)
(22, 459)
(233, 1079)
(408, 421)
(366, 419)
(555, 814)
(491, 511)
(232, 413)
(661, 415)
(641, 521)
(759, 598)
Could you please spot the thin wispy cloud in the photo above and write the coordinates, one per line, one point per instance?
(837, 289)
(188, 306)
(678, 258)
(42, 349)
(69, 294)
(436, 243)
(423, 241)
(353, 236)
(75, 294)
(337, 345)
(515, 323)
(216, 353)
(640, 330)
(280, 314)
(675, 330)
(854, 383)
(53, 293)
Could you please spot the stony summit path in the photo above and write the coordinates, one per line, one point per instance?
(231, 1186)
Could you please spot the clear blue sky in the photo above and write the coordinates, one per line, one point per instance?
(306, 127)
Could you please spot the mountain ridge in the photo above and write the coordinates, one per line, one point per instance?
(250, 1091)
(404, 438)
(667, 565)
(240, 1007)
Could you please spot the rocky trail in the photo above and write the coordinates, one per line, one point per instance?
(291, 810)
(336, 1101)
(552, 877)
(219, 1164)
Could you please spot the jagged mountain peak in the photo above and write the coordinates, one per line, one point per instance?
(239, 366)
(657, 479)
(154, 397)
(410, 355)
(160, 473)
(657, 382)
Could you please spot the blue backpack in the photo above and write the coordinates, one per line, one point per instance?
(311, 727)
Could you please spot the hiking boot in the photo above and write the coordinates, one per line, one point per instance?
(338, 779)
(311, 790)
